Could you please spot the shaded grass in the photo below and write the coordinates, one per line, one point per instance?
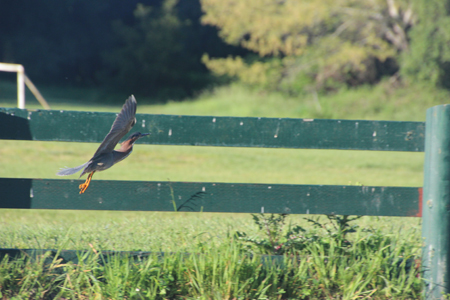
(383, 101)
(379, 102)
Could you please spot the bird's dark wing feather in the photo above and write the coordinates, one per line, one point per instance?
(125, 120)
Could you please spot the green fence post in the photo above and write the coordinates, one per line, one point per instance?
(436, 203)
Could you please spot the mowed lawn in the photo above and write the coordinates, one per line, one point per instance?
(22, 159)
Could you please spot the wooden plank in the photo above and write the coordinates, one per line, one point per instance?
(211, 197)
(217, 131)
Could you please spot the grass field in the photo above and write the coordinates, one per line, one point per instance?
(384, 240)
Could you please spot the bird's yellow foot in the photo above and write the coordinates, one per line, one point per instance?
(83, 187)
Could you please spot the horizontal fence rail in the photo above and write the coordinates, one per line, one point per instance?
(73, 126)
(212, 197)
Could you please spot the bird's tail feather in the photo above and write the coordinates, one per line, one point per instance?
(70, 171)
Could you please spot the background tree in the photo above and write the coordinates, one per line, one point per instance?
(149, 55)
(155, 50)
(313, 44)
(160, 54)
(59, 41)
(429, 57)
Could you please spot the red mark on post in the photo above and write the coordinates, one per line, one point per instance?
(419, 214)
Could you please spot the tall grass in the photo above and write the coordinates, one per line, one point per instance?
(224, 271)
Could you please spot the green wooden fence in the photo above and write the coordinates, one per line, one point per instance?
(18, 124)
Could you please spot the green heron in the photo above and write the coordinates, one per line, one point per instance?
(105, 156)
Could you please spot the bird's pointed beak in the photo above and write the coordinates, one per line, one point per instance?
(144, 134)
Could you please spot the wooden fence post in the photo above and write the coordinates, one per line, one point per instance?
(436, 203)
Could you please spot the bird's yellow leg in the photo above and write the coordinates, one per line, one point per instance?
(85, 185)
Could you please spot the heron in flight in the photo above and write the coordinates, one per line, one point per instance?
(105, 156)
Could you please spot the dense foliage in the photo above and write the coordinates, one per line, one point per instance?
(159, 54)
(429, 57)
(59, 41)
(311, 44)
(146, 49)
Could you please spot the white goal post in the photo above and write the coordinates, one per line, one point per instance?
(23, 80)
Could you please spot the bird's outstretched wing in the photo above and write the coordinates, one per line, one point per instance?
(70, 171)
(125, 120)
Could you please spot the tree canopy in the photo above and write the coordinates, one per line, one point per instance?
(327, 40)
